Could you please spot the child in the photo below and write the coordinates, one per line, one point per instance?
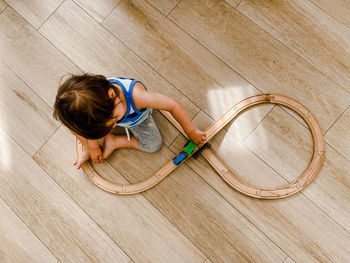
(91, 105)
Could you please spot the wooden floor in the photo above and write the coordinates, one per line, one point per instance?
(208, 55)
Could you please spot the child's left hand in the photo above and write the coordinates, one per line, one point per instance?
(197, 136)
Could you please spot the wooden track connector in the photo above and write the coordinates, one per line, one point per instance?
(203, 149)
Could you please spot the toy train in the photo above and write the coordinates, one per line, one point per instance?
(189, 148)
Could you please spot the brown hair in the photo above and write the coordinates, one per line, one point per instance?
(83, 105)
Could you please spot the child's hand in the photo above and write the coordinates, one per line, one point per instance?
(96, 154)
(197, 136)
(83, 157)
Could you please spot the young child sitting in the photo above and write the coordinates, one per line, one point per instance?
(91, 105)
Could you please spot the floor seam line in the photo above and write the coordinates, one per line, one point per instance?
(27, 227)
(296, 54)
(37, 29)
(160, 212)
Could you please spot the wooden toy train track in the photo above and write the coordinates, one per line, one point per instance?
(190, 149)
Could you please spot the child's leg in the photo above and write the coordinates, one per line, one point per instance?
(148, 136)
(112, 142)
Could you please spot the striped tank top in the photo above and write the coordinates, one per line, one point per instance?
(133, 117)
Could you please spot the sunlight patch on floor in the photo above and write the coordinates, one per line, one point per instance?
(5, 152)
(222, 99)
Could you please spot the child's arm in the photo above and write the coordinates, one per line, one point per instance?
(144, 99)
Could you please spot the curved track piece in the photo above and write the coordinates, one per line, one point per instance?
(292, 188)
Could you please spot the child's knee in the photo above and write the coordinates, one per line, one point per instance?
(157, 144)
(153, 146)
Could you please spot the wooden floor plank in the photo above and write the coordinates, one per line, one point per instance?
(330, 190)
(131, 221)
(175, 55)
(339, 135)
(31, 56)
(17, 243)
(287, 148)
(60, 224)
(207, 220)
(261, 59)
(35, 12)
(308, 31)
(297, 226)
(164, 6)
(98, 9)
(293, 223)
(95, 50)
(339, 9)
(3, 5)
(234, 3)
(242, 162)
(192, 69)
(22, 113)
(288, 260)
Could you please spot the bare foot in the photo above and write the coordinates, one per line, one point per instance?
(109, 145)
(83, 157)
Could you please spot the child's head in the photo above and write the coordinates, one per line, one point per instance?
(84, 105)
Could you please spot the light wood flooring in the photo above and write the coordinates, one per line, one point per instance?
(207, 54)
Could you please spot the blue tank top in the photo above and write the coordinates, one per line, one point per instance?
(133, 117)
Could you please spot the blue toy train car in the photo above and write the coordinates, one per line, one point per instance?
(178, 159)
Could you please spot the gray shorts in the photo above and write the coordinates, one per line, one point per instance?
(148, 136)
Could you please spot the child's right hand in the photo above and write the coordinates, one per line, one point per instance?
(96, 154)
(197, 136)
